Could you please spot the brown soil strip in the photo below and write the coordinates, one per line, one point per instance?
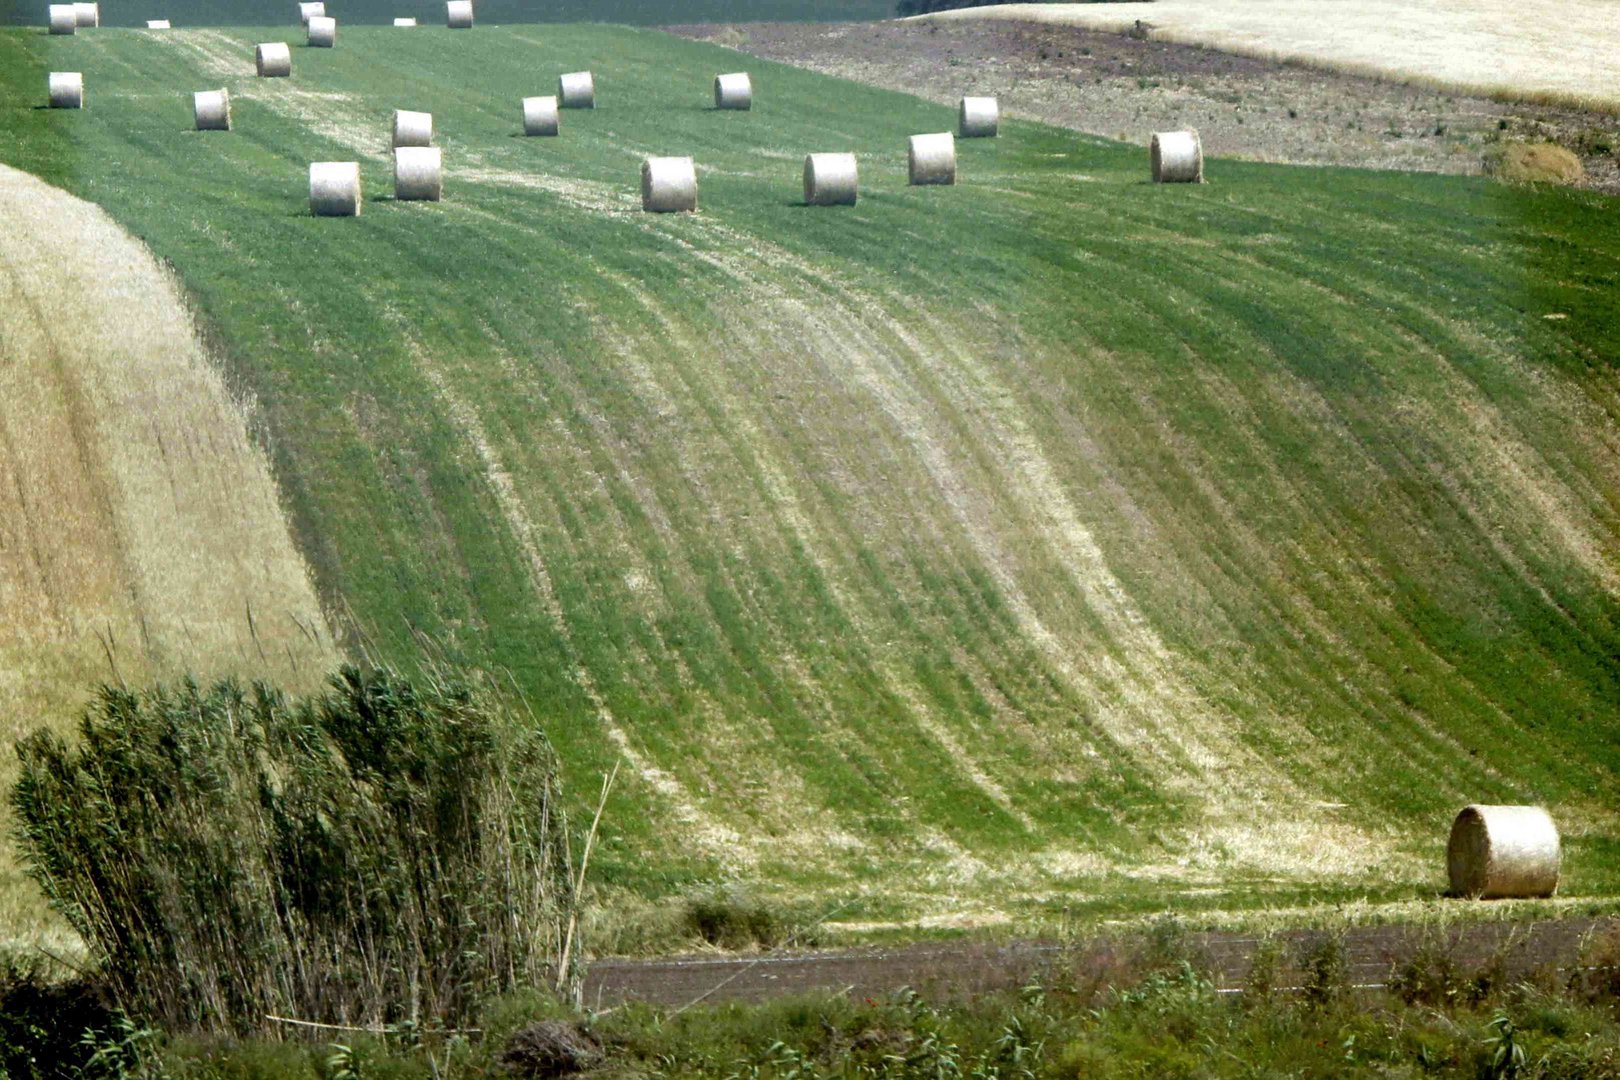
(1121, 87)
(1372, 956)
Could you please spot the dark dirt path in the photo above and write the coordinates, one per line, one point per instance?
(1120, 87)
(1371, 957)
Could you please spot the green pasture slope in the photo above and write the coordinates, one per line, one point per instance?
(1053, 540)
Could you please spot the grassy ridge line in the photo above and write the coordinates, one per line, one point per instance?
(810, 488)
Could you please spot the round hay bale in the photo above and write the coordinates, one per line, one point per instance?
(540, 116)
(576, 90)
(87, 14)
(413, 128)
(932, 158)
(1178, 157)
(212, 108)
(334, 189)
(67, 90)
(158, 24)
(418, 173)
(64, 18)
(459, 14)
(668, 185)
(273, 60)
(979, 118)
(1503, 851)
(830, 180)
(734, 91)
(404, 22)
(322, 32)
(313, 10)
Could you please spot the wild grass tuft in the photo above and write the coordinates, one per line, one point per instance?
(389, 851)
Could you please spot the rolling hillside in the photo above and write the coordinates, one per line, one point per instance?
(1052, 540)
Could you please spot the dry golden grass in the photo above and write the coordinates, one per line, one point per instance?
(140, 534)
(1554, 51)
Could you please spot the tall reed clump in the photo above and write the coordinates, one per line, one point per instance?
(392, 849)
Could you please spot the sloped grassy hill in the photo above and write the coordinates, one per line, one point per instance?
(1053, 539)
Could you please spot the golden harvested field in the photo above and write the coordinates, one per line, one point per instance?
(1540, 50)
(138, 521)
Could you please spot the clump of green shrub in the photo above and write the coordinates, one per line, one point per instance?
(391, 850)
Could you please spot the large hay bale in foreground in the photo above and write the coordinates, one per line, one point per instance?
(334, 189)
(1503, 851)
(64, 18)
(273, 60)
(418, 174)
(212, 109)
(322, 32)
(668, 185)
(734, 91)
(413, 128)
(310, 10)
(540, 116)
(978, 118)
(932, 158)
(87, 14)
(66, 90)
(1178, 157)
(458, 14)
(831, 180)
(576, 90)
(404, 22)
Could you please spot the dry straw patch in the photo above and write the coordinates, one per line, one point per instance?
(1553, 50)
(140, 533)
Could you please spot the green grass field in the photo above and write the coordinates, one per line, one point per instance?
(1053, 541)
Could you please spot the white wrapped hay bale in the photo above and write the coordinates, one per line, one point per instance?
(734, 91)
(66, 90)
(87, 14)
(413, 128)
(309, 11)
(158, 24)
(1503, 851)
(932, 158)
(273, 60)
(540, 116)
(459, 14)
(64, 18)
(576, 90)
(978, 118)
(1178, 157)
(212, 109)
(418, 174)
(334, 188)
(830, 180)
(668, 185)
(322, 32)
(404, 22)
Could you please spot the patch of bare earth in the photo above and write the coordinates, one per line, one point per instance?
(1123, 87)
